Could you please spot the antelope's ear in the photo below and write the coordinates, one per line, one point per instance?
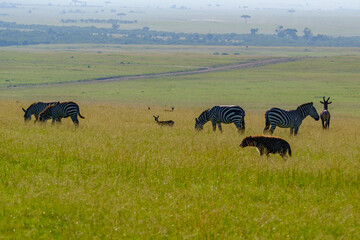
(329, 102)
(23, 109)
(321, 102)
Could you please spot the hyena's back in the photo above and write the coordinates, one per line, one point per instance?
(267, 145)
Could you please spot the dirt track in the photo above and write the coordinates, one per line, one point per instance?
(181, 73)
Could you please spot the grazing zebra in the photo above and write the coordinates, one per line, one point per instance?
(222, 114)
(289, 119)
(35, 109)
(169, 123)
(325, 114)
(61, 110)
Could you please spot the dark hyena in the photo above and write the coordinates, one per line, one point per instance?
(267, 145)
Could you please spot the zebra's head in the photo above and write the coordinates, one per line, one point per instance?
(27, 115)
(242, 126)
(201, 120)
(313, 113)
(46, 114)
(198, 125)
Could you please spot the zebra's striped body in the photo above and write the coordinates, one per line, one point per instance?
(35, 109)
(222, 114)
(61, 110)
(289, 119)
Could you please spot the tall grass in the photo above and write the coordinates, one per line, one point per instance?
(120, 175)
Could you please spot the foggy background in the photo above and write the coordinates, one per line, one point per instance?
(224, 4)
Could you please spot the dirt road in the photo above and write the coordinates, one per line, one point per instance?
(181, 73)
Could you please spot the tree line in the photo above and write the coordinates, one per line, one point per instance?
(12, 33)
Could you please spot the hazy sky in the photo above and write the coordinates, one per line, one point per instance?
(231, 4)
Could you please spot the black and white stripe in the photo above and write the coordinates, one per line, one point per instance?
(61, 110)
(289, 119)
(35, 109)
(222, 114)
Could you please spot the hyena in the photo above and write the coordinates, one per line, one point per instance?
(267, 145)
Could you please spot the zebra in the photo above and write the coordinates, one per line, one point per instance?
(222, 114)
(35, 109)
(289, 119)
(61, 110)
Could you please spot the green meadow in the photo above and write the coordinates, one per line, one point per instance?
(120, 175)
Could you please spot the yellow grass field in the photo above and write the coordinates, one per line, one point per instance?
(119, 175)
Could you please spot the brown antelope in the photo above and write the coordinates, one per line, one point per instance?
(169, 123)
(325, 114)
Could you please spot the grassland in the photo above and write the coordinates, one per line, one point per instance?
(119, 175)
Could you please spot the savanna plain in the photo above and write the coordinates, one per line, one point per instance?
(120, 175)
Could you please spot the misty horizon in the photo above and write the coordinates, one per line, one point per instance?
(213, 4)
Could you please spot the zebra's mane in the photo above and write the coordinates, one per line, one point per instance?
(305, 104)
(204, 112)
(31, 105)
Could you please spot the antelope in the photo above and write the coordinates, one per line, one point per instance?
(325, 114)
(172, 109)
(169, 123)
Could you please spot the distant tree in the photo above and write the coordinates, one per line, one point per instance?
(146, 29)
(279, 31)
(307, 33)
(291, 33)
(115, 26)
(253, 31)
(286, 33)
(320, 37)
(245, 17)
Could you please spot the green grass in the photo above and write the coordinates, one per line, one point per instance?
(285, 85)
(28, 68)
(119, 175)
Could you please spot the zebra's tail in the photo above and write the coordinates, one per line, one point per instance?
(267, 122)
(80, 115)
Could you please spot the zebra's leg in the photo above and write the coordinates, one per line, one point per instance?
(214, 125)
(291, 131)
(266, 129)
(219, 126)
(272, 129)
(296, 131)
(75, 120)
